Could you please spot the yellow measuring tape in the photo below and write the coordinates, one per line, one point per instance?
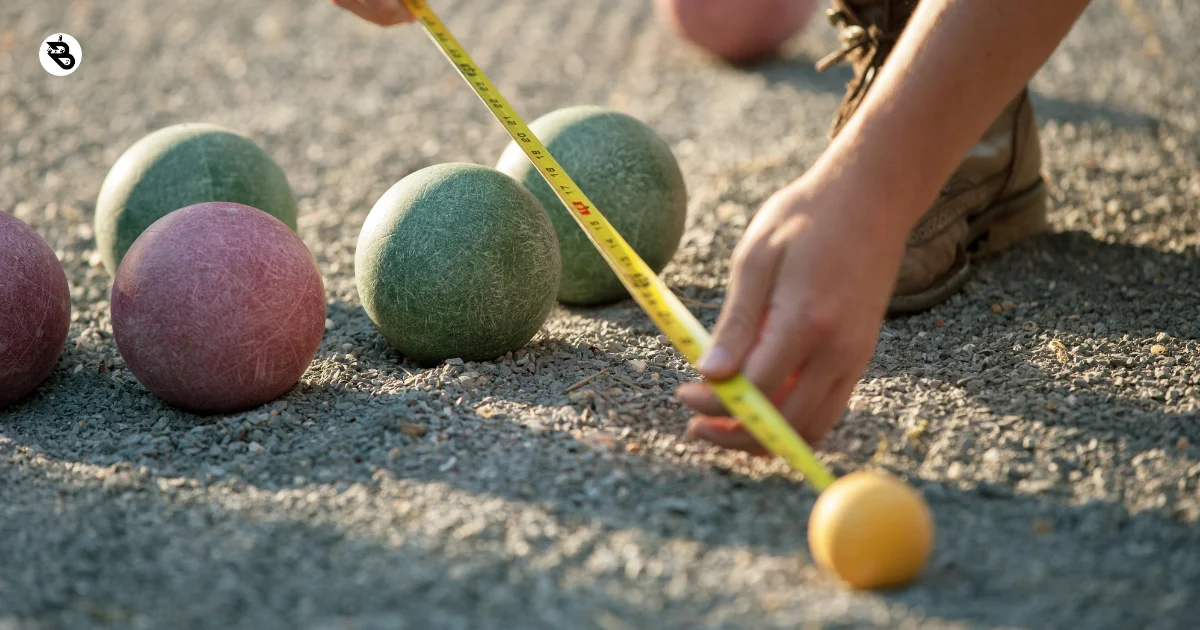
(688, 335)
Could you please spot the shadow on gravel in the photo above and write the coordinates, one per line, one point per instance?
(803, 76)
(624, 313)
(1024, 549)
(1070, 288)
(142, 553)
(267, 560)
(703, 302)
(499, 439)
(225, 561)
(1068, 111)
(1079, 290)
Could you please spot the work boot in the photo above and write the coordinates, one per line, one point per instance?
(996, 197)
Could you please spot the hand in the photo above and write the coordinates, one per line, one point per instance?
(808, 291)
(381, 12)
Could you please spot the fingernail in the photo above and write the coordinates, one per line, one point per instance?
(715, 360)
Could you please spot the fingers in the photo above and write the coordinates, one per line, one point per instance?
(724, 432)
(786, 342)
(396, 9)
(360, 8)
(381, 12)
(820, 408)
(755, 266)
(712, 422)
(807, 406)
(767, 328)
(774, 323)
(703, 399)
(790, 335)
(829, 413)
(812, 400)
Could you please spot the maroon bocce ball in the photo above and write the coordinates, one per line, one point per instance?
(35, 309)
(737, 30)
(218, 307)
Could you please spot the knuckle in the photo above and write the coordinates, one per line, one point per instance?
(781, 322)
(817, 322)
(750, 256)
(793, 226)
(738, 260)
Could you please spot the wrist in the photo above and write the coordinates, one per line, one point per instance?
(878, 196)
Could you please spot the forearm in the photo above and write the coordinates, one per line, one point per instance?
(957, 65)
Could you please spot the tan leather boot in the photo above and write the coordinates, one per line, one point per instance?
(995, 198)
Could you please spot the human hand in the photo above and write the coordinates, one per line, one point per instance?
(808, 291)
(381, 12)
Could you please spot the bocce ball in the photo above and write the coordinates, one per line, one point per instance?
(35, 309)
(218, 307)
(738, 31)
(457, 261)
(179, 166)
(871, 530)
(631, 175)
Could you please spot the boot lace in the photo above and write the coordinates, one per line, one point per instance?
(868, 41)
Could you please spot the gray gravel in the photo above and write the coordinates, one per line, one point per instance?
(1065, 480)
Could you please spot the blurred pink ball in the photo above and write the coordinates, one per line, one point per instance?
(737, 30)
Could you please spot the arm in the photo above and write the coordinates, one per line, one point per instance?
(957, 65)
(811, 278)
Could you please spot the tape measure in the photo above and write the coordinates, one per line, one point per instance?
(686, 333)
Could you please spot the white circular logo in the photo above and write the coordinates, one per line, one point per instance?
(60, 54)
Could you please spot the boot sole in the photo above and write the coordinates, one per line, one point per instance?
(999, 227)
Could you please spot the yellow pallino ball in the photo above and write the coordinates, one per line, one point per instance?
(871, 530)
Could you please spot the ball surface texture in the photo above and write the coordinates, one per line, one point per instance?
(179, 166)
(35, 309)
(631, 176)
(739, 31)
(457, 261)
(218, 307)
(872, 530)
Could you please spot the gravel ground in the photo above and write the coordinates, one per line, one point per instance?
(379, 495)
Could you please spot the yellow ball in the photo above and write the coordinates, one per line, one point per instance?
(871, 530)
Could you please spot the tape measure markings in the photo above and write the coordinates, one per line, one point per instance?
(686, 333)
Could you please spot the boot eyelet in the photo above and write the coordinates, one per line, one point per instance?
(852, 35)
